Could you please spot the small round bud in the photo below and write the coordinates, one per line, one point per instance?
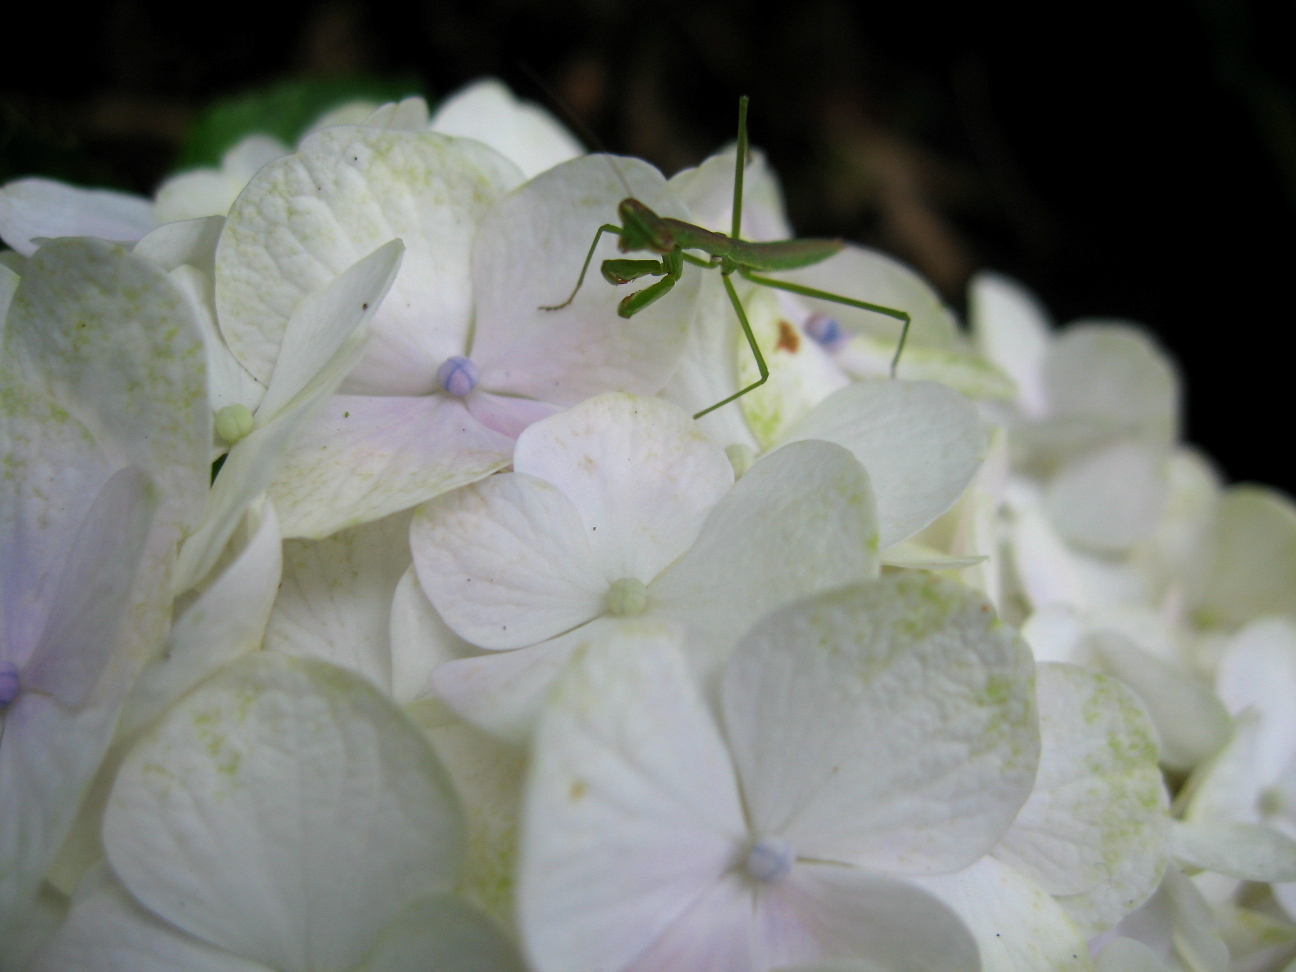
(626, 597)
(9, 683)
(457, 375)
(769, 859)
(233, 422)
(824, 331)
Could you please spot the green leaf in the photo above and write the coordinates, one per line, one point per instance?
(283, 109)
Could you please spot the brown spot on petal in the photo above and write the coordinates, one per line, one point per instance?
(788, 340)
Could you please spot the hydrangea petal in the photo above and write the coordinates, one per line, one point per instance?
(34, 209)
(920, 442)
(890, 725)
(1111, 498)
(443, 934)
(334, 601)
(1258, 668)
(284, 811)
(507, 562)
(211, 191)
(89, 602)
(1127, 955)
(1012, 330)
(713, 934)
(1253, 570)
(1113, 371)
(503, 692)
(190, 241)
(1249, 852)
(822, 911)
(420, 641)
(107, 931)
(323, 322)
(800, 521)
(363, 458)
(347, 190)
(639, 472)
(1191, 723)
(525, 134)
(1018, 927)
(528, 255)
(122, 349)
(632, 809)
(707, 191)
(226, 620)
(1096, 820)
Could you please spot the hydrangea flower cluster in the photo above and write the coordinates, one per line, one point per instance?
(477, 652)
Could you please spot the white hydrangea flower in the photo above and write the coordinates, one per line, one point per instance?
(869, 737)
(34, 210)
(212, 191)
(283, 816)
(621, 509)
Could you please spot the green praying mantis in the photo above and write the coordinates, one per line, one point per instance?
(642, 229)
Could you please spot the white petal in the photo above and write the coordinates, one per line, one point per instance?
(506, 562)
(1249, 852)
(54, 469)
(1114, 372)
(713, 934)
(639, 472)
(1012, 330)
(32, 209)
(407, 115)
(191, 241)
(445, 935)
(632, 811)
(1095, 829)
(8, 284)
(890, 725)
(525, 134)
(920, 442)
(1227, 788)
(1253, 572)
(799, 522)
(283, 811)
(822, 911)
(1191, 722)
(1127, 955)
(420, 641)
(226, 620)
(307, 217)
(324, 320)
(1258, 668)
(48, 756)
(85, 303)
(707, 191)
(108, 931)
(364, 458)
(503, 692)
(1017, 925)
(528, 254)
(1112, 497)
(871, 276)
(334, 602)
(92, 595)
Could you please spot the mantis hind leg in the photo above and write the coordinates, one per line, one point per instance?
(605, 228)
(751, 342)
(793, 288)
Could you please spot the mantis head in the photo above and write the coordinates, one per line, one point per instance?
(642, 229)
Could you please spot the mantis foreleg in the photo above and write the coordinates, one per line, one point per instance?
(751, 342)
(605, 228)
(899, 315)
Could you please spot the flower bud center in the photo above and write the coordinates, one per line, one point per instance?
(233, 422)
(824, 331)
(627, 596)
(9, 684)
(769, 859)
(457, 375)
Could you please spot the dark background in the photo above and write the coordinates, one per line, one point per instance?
(1133, 160)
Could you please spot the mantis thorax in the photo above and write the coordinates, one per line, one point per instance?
(642, 229)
